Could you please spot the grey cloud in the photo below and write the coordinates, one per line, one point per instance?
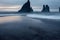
(52, 3)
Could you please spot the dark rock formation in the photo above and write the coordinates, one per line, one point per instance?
(46, 8)
(59, 9)
(43, 8)
(26, 7)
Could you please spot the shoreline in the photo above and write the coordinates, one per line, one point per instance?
(30, 28)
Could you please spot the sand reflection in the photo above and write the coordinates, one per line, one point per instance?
(10, 19)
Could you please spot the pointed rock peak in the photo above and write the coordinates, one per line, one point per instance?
(28, 1)
(26, 7)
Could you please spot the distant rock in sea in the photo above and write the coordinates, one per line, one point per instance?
(43, 10)
(46, 8)
(59, 9)
(26, 7)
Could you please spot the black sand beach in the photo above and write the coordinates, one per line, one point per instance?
(26, 28)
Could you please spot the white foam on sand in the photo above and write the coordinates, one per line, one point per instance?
(44, 16)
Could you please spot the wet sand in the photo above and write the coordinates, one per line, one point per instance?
(26, 28)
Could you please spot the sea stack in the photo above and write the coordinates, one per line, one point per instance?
(43, 10)
(59, 9)
(26, 7)
(46, 8)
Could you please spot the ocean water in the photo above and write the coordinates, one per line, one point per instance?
(51, 15)
(29, 26)
(30, 14)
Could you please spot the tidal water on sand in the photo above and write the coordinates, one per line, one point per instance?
(29, 26)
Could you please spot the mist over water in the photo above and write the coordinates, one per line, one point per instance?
(44, 16)
(51, 15)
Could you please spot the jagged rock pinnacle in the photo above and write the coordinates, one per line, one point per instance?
(46, 8)
(26, 7)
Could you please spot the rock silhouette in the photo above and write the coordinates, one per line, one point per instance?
(59, 9)
(45, 8)
(26, 7)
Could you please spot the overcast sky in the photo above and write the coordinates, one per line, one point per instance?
(15, 5)
(51, 3)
